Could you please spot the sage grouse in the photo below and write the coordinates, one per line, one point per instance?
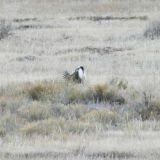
(77, 76)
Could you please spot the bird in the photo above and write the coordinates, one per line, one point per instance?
(77, 76)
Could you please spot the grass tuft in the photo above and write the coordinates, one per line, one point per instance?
(103, 116)
(152, 111)
(37, 92)
(69, 112)
(35, 111)
(5, 29)
(45, 127)
(153, 30)
(103, 93)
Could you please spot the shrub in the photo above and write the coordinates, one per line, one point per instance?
(153, 30)
(35, 111)
(5, 29)
(37, 92)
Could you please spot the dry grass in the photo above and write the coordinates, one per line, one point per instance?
(45, 127)
(5, 29)
(35, 111)
(38, 108)
(78, 109)
(153, 30)
(103, 117)
(108, 117)
(151, 111)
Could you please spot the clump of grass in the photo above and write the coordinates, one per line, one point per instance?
(69, 112)
(73, 94)
(68, 93)
(119, 83)
(5, 29)
(152, 111)
(10, 104)
(103, 93)
(103, 116)
(56, 92)
(45, 127)
(37, 92)
(8, 123)
(153, 30)
(79, 127)
(122, 84)
(2, 132)
(3, 104)
(35, 111)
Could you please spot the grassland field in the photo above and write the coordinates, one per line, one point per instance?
(114, 114)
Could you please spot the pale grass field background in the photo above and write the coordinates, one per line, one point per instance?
(138, 60)
(53, 43)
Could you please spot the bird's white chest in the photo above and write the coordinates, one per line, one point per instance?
(80, 73)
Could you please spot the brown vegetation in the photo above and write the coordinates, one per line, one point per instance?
(47, 108)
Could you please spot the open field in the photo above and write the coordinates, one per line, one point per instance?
(115, 114)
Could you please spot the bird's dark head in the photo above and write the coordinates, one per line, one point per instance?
(82, 68)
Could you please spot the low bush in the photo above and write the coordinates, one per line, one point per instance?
(37, 92)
